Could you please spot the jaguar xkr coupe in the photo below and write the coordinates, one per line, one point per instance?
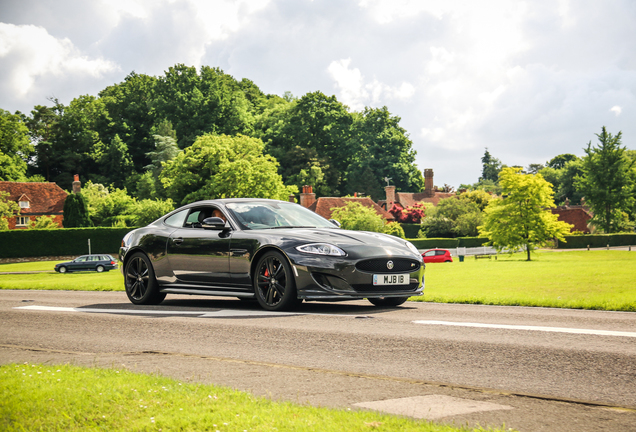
(277, 252)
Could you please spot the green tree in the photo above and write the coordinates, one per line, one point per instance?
(44, 222)
(522, 219)
(40, 124)
(15, 147)
(607, 180)
(354, 216)
(76, 212)
(221, 166)
(143, 212)
(394, 229)
(114, 161)
(8, 209)
(490, 167)
(559, 161)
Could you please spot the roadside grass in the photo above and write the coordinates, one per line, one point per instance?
(29, 266)
(68, 398)
(603, 280)
(111, 280)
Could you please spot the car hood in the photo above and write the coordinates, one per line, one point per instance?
(362, 243)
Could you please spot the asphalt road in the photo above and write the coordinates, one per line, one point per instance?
(532, 369)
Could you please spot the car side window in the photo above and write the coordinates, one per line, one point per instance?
(177, 220)
(440, 252)
(429, 253)
(81, 259)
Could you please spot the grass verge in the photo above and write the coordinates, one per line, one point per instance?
(82, 281)
(577, 279)
(56, 397)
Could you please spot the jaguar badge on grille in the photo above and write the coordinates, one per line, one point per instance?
(389, 265)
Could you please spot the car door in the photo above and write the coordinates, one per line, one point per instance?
(79, 264)
(199, 256)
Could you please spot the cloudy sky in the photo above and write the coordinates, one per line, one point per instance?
(527, 79)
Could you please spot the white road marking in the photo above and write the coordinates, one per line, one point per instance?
(530, 328)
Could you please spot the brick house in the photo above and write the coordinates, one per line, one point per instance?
(323, 205)
(35, 200)
(577, 215)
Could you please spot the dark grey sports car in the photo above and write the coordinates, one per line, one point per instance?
(275, 251)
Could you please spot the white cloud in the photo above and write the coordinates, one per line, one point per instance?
(616, 110)
(357, 94)
(34, 53)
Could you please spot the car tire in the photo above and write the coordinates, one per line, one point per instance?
(99, 269)
(388, 301)
(62, 269)
(140, 282)
(274, 284)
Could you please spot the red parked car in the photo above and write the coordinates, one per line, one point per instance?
(437, 255)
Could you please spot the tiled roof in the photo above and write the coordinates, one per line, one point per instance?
(44, 198)
(323, 206)
(408, 199)
(578, 216)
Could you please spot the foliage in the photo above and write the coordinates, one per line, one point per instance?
(563, 181)
(59, 242)
(355, 216)
(457, 216)
(15, 147)
(8, 209)
(44, 222)
(143, 212)
(490, 167)
(558, 162)
(221, 166)
(522, 219)
(479, 197)
(607, 180)
(437, 226)
(412, 214)
(394, 229)
(76, 212)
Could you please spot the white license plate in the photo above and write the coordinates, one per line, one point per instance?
(391, 279)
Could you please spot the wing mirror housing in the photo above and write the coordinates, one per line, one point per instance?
(335, 222)
(213, 223)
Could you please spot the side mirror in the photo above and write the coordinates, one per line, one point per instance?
(213, 223)
(335, 222)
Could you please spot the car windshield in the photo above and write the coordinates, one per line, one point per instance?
(272, 215)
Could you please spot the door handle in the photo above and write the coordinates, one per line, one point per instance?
(177, 240)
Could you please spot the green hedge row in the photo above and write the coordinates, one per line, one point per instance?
(597, 241)
(447, 243)
(59, 242)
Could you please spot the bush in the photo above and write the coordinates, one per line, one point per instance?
(59, 242)
(354, 216)
(394, 228)
(411, 230)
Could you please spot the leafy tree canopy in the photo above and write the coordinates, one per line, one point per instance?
(222, 166)
(8, 209)
(607, 180)
(522, 219)
(76, 212)
(15, 147)
(355, 216)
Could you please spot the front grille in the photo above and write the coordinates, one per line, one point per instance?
(361, 288)
(379, 265)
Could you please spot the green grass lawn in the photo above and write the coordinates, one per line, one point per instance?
(576, 279)
(68, 398)
(29, 266)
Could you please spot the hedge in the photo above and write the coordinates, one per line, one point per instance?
(597, 241)
(472, 241)
(59, 242)
(432, 243)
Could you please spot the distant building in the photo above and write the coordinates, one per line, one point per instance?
(323, 205)
(408, 199)
(35, 200)
(577, 215)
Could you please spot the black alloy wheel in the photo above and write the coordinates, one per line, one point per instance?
(274, 283)
(140, 282)
(388, 301)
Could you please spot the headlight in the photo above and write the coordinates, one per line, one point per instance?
(321, 249)
(412, 247)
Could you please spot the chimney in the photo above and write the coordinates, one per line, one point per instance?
(77, 186)
(291, 198)
(428, 182)
(307, 197)
(390, 196)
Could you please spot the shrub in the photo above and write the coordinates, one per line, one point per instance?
(355, 216)
(394, 228)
